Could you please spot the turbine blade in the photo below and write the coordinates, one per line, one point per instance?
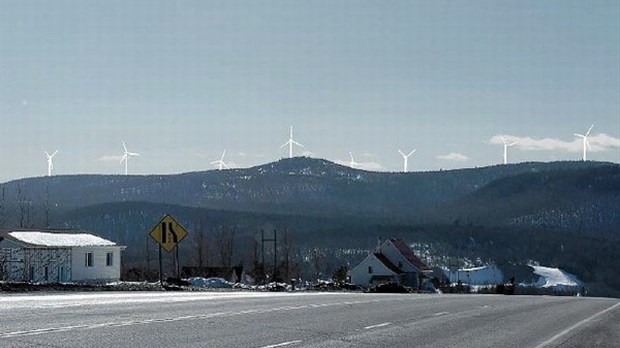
(133, 154)
(55, 152)
(214, 162)
(283, 145)
(588, 144)
(513, 143)
(46, 154)
(503, 140)
(400, 152)
(411, 153)
(225, 165)
(589, 129)
(579, 135)
(125, 147)
(296, 143)
(124, 158)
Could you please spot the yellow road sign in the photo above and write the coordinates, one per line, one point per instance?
(168, 233)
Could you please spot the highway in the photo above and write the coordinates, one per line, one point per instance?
(253, 319)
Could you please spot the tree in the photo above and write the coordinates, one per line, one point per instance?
(340, 274)
(200, 242)
(225, 239)
(317, 260)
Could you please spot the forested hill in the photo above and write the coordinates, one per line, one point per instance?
(585, 200)
(290, 186)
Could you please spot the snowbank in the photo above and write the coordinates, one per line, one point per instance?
(219, 283)
(555, 278)
(485, 275)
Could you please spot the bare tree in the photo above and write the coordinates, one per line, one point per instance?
(200, 242)
(2, 210)
(225, 239)
(317, 260)
(258, 269)
(47, 206)
(24, 208)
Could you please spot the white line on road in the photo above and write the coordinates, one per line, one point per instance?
(549, 341)
(282, 344)
(376, 326)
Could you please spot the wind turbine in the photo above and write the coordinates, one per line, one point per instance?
(405, 158)
(506, 146)
(50, 165)
(290, 143)
(221, 163)
(353, 163)
(585, 141)
(126, 156)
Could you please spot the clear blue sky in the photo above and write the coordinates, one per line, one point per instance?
(180, 81)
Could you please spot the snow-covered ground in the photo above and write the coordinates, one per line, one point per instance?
(555, 278)
(485, 275)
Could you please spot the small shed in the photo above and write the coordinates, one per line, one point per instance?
(50, 257)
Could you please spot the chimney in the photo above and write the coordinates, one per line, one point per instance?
(378, 245)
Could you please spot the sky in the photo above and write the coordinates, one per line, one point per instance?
(181, 81)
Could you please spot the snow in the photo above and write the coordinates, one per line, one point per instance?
(60, 239)
(485, 275)
(200, 282)
(555, 278)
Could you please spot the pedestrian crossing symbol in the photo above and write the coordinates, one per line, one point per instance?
(168, 233)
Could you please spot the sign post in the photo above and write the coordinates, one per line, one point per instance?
(168, 233)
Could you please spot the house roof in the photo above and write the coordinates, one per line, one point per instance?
(404, 250)
(384, 260)
(50, 239)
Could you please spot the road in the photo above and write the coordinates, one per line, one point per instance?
(246, 319)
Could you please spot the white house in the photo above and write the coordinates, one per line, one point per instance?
(43, 257)
(392, 262)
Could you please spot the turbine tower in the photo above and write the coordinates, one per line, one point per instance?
(50, 165)
(405, 158)
(221, 163)
(352, 164)
(506, 146)
(126, 156)
(290, 143)
(585, 141)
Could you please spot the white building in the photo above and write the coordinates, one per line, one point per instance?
(392, 262)
(42, 257)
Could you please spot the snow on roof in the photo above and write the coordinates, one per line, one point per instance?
(404, 250)
(49, 239)
(554, 277)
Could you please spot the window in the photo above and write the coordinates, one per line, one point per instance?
(47, 274)
(400, 264)
(370, 269)
(88, 260)
(109, 259)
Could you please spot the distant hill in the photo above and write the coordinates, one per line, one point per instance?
(298, 186)
(584, 200)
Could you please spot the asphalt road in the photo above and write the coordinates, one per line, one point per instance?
(245, 319)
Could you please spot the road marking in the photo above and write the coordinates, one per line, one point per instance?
(282, 344)
(186, 317)
(549, 341)
(440, 313)
(376, 326)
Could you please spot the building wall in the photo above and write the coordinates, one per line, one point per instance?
(391, 253)
(360, 275)
(36, 265)
(99, 272)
